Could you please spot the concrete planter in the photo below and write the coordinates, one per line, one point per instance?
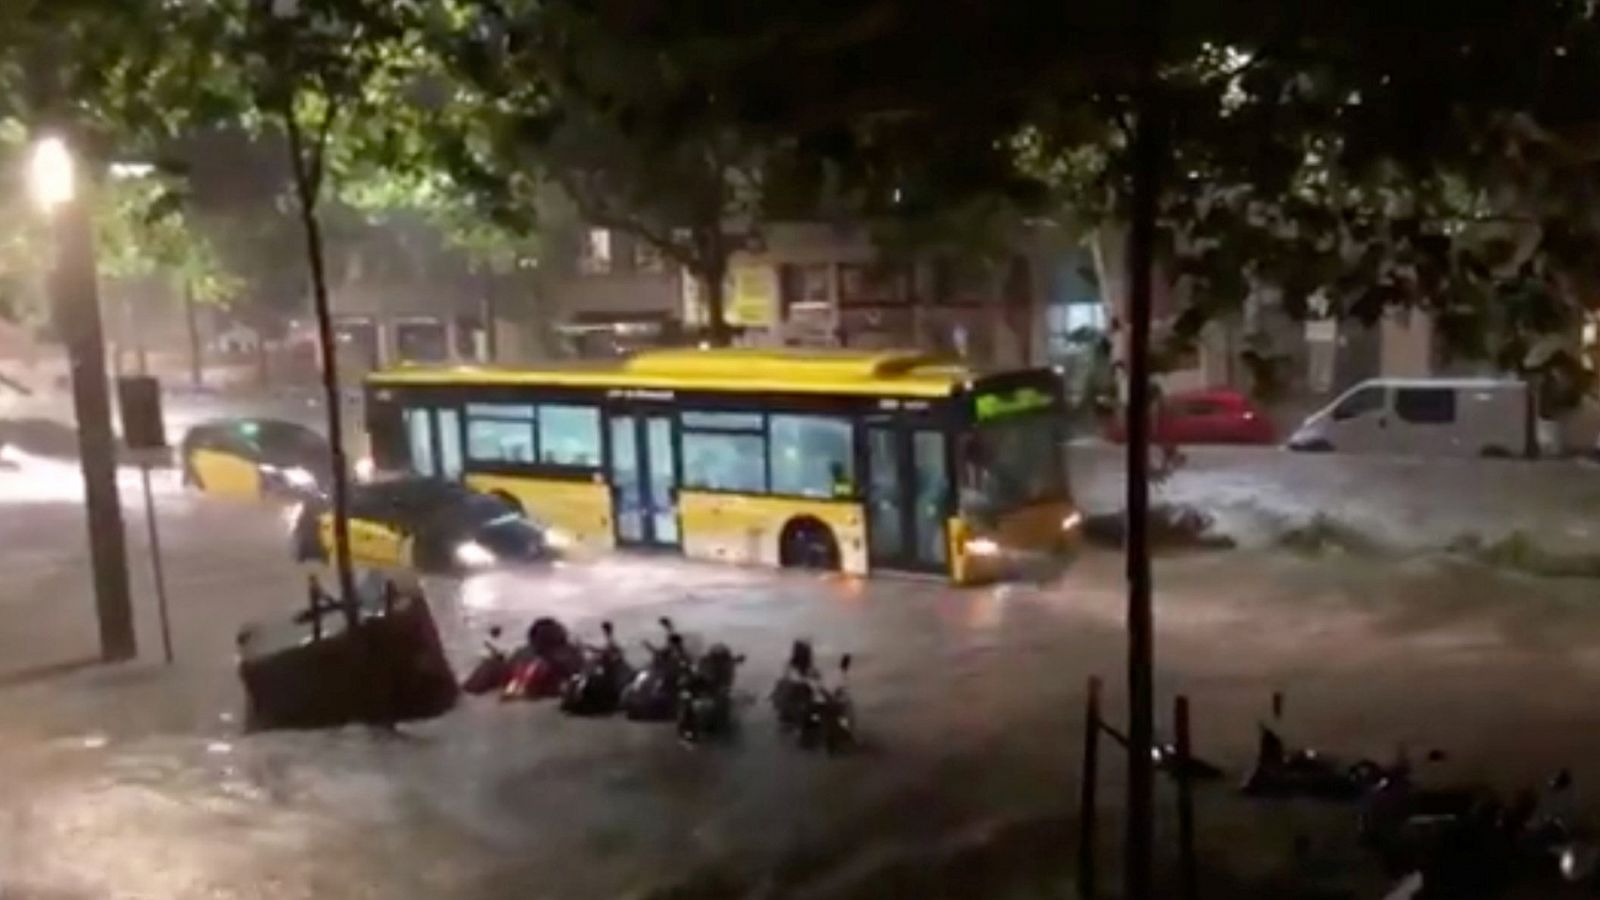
(314, 673)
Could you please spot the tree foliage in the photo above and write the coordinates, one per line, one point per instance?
(1369, 154)
(417, 192)
(143, 230)
(1351, 151)
(552, 92)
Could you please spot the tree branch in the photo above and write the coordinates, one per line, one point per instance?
(303, 184)
(595, 212)
(319, 150)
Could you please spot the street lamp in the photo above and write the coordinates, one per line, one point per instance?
(50, 174)
(75, 297)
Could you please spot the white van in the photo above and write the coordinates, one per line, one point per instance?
(1424, 417)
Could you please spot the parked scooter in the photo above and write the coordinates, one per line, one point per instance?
(705, 705)
(541, 667)
(792, 695)
(1303, 772)
(1465, 842)
(653, 694)
(596, 690)
(493, 669)
(1169, 762)
(830, 720)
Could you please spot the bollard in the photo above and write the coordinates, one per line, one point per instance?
(1277, 706)
(1187, 870)
(314, 599)
(1086, 809)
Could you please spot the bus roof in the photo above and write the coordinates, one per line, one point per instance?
(749, 370)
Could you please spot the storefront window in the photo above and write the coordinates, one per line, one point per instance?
(422, 340)
(803, 284)
(873, 284)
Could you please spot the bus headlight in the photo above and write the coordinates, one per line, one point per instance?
(556, 539)
(1072, 521)
(983, 546)
(473, 555)
(365, 469)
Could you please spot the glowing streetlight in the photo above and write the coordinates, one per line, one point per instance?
(50, 173)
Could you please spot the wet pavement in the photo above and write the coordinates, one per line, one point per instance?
(135, 781)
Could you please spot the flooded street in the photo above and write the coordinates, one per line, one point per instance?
(136, 782)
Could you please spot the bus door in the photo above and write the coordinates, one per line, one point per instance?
(643, 470)
(908, 496)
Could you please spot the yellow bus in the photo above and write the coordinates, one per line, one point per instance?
(856, 461)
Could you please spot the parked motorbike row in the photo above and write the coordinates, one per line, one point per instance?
(695, 692)
(1451, 842)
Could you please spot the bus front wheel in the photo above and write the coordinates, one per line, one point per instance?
(807, 543)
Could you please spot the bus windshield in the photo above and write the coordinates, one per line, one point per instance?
(1011, 464)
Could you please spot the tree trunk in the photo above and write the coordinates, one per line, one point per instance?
(307, 187)
(334, 403)
(263, 367)
(1108, 247)
(1148, 148)
(491, 316)
(714, 281)
(191, 321)
(135, 334)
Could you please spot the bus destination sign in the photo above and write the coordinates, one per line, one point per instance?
(1005, 404)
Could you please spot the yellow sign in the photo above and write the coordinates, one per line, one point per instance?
(753, 301)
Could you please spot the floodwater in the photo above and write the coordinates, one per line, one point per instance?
(136, 782)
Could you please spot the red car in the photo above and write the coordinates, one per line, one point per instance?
(1213, 416)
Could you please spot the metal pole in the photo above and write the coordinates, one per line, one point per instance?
(1087, 812)
(77, 307)
(191, 318)
(490, 313)
(314, 607)
(157, 570)
(1149, 145)
(156, 567)
(1188, 878)
(135, 331)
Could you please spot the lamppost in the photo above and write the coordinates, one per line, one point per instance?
(74, 297)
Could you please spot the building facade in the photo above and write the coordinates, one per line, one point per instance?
(814, 284)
